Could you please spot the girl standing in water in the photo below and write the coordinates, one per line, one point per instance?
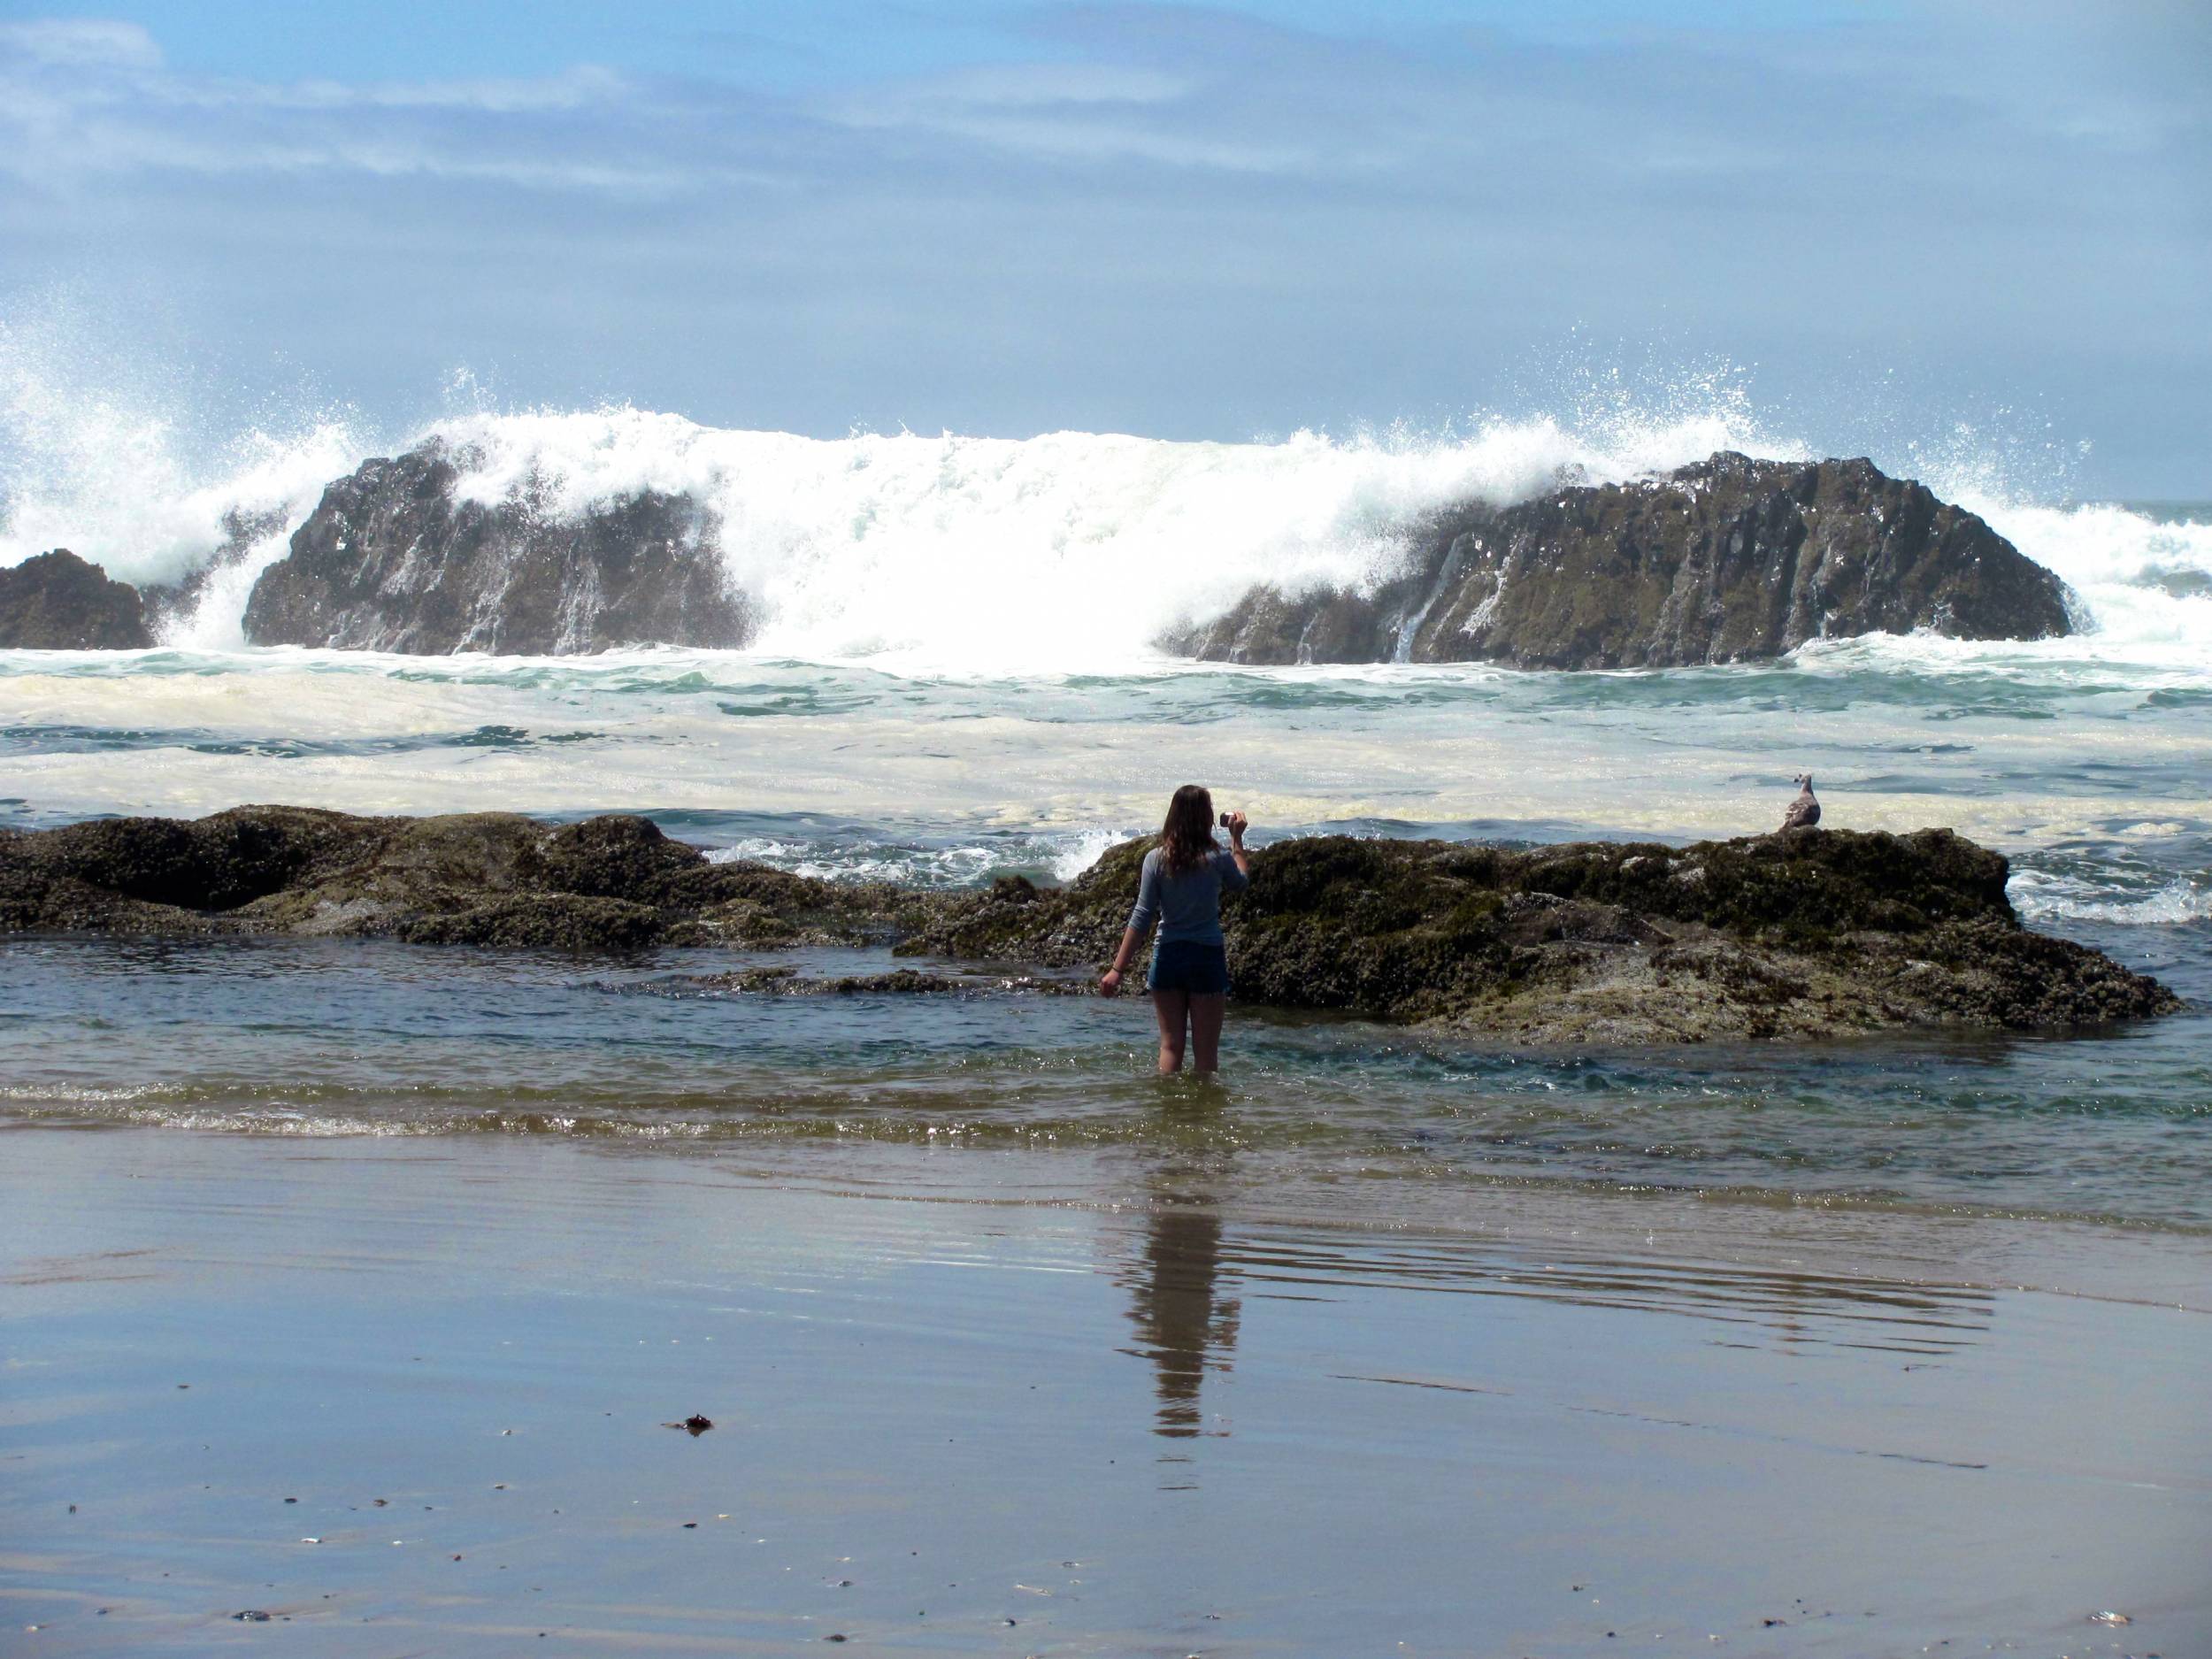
(1184, 878)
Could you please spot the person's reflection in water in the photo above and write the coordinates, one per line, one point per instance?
(1184, 1324)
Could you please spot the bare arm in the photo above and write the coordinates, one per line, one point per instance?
(1111, 983)
(1237, 822)
(1140, 922)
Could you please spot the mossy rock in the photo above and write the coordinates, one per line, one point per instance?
(543, 921)
(1805, 933)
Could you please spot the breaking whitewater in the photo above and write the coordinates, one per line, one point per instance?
(981, 556)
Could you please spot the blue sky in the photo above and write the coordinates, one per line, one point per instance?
(1190, 221)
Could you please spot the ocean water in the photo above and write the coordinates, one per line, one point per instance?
(955, 681)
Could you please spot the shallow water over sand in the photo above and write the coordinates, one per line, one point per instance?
(408, 1396)
(1365, 1123)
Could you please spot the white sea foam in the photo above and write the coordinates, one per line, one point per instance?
(2145, 585)
(2042, 897)
(1083, 851)
(1065, 855)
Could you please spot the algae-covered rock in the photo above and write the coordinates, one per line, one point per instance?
(544, 921)
(491, 879)
(218, 863)
(1805, 933)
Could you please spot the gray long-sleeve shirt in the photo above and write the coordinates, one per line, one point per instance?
(1186, 904)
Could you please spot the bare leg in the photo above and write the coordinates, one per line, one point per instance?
(1172, 1008)
(1205, 1032)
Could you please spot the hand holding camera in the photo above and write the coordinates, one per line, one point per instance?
(1234, 823)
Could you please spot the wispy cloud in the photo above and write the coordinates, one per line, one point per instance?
(65, 43)
(1045, 85)
(1084, 114)
(79, 100)
(582, 87)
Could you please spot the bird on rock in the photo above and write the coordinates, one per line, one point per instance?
(1804, 811)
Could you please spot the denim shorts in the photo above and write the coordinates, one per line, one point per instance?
(1195, 969)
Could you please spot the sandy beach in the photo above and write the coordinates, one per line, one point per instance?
(411, 1397)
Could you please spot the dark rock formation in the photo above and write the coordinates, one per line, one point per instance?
(1729, 560)
(477, 879)
(1808, 933)
(57, 602)
(390, 560)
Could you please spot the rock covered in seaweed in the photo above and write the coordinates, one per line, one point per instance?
(1815, 932)
(492, 879)
(395, 558)
(57, 602)
(1729, 560)
(1809, 933)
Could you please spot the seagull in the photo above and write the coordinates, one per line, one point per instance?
(1804, 811)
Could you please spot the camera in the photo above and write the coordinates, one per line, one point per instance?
(1225, 820)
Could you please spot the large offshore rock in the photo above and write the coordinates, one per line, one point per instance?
(1807, 933)
(57, 602)
(1729, 560)
(392, 560)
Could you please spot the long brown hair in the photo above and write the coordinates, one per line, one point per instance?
(1188, 836)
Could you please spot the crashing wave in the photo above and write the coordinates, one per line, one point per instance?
(961, 554)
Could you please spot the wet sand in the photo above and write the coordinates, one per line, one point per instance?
(1033, 1402)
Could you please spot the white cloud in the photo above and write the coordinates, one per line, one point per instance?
(574, 88)
(1027, 85)
(85, 101)
(1098, 142)
(1086, 113)
(62, 42)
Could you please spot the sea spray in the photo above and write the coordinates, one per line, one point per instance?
(110, 466)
